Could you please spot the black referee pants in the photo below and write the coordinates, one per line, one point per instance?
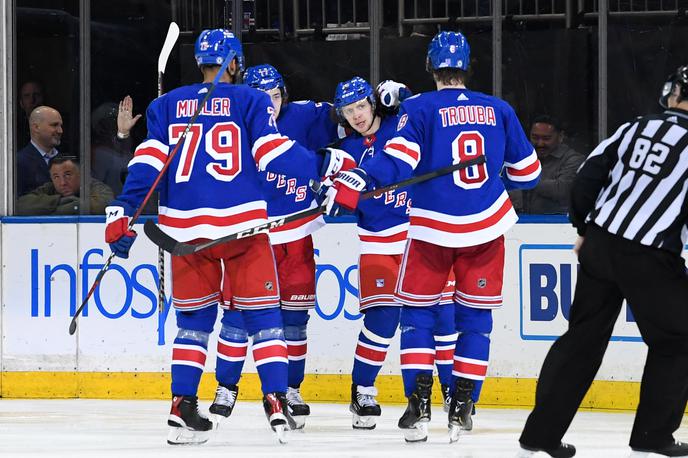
(656, 286)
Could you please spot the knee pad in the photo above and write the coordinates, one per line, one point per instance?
(417, 317)
(295, 317)
(198, 320)
(268, 334)
(199, 337)
(233, 334)
(256, 320)
(444, 319)
(295, 332)
(473, 320)
(233, 318)
(381, 321)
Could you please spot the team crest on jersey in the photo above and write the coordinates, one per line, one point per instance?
(380, 282)
(268, 285)
(402, 121)
(482, 282)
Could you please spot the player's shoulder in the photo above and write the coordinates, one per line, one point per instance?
(481, 98)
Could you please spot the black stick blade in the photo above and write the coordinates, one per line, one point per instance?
(72, 327)
(160, 238)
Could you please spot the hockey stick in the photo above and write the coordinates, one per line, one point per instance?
(170, 41)
(173, 153)
(169, 244)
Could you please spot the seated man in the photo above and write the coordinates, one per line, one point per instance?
(559, 165)
(45, 124)
(60, 196)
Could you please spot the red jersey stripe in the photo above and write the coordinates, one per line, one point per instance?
(271, 351)
(417, 358)
(297, 350)
(150, 151)
(295, 224)
(463, 228)
(469, 368)
(183, 354)
(228, 350)
(369, 353)
(401, 236)
(172, 221)
(526, 171)
(267, 147)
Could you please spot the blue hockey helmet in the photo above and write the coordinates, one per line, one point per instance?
(448, 50)
(213, 45)
(678, 78)
(352, 91)
(263, 77)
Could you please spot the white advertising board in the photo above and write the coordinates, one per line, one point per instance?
(48, 268)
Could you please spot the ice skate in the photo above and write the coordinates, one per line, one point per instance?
(446, 397)
(275, 405)
(187, 425)
(562, 451)
(364, 407)
(415, 419)
(461, 409)
(298, 409)
(225, 400)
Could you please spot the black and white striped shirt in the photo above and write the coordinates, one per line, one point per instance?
(635, 183)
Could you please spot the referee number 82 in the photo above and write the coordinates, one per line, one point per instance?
(648, 156)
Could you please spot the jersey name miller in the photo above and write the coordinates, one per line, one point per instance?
(467, 114)
(214, 107)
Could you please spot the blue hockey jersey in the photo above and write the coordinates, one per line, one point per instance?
(382, 221)
(309, 124)
(436, 129)
(212, 187)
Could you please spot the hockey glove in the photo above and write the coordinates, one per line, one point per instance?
(117, 232)
(344, 194)
(391, 93)
(334, 161)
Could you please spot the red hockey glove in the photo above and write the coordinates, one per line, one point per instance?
(345, 192)
(334, 161)
(117, 232)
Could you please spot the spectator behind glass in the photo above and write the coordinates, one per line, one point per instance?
(32, 160)
(30, 97)
(111, 146)
(60, 196)
(559, 165)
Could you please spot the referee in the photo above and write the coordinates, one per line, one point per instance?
(630, 207)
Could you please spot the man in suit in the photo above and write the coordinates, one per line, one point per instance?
(32, 161)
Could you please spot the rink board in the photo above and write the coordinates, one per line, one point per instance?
(122, 347)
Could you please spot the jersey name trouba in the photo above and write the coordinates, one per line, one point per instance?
(467, 114)
(218, 106)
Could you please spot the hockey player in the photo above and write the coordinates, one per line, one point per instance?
(382, 228)
(212, 189)
(311, 125)
(457, 222)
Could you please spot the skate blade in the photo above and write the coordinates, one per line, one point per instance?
(364, 422)
(183, 436)
(218, 420)
(419, 432)
(281, 432)
(454, 433)
(298, 422)
(523, 453)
